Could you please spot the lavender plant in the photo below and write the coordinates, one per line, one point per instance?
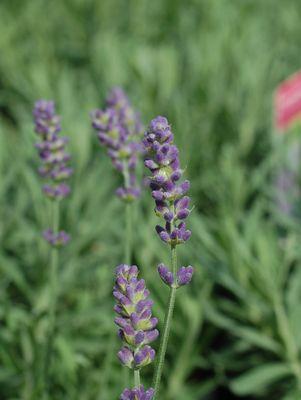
(136, 327)
(54, 168)
(171, 204)
(119, 130)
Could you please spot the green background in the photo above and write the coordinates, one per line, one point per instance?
(211, 67)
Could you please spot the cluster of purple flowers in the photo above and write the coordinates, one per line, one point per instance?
(169, 194)
(137, 394)
(135, 322)
(163, 162)
(54, 160)
(56, 239)
(134, 309)
(119, 129)
(183, 276)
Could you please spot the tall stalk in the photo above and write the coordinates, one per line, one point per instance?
(162, 159)
(53, 279)
(166, 326)
(128, 239)
(55, 170)
(54, 267)
(128, 260)
(128, 255)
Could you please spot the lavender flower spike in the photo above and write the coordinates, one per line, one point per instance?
(134, 318)
(137, 394)
(172, 204)
(54, 159)
(51, 150)
(119, 130)
(163, 162)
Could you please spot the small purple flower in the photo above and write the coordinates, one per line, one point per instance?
(56, 192)
(126, 357)
(144, 356)
(165, 274)
(169, 194)
(134, 318)
(137, 394)
(119, 130)
(56, 239)
(128, 194)
(184, 275)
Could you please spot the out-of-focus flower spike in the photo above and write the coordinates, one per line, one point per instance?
(119, 130)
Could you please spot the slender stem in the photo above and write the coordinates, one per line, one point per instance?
(166, 327)
(128, 261)
(53, 279)
(128, 217)
(137, 378)
(54, 267)
(128, 238)
(112, 338)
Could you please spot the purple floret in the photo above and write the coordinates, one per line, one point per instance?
(165, 274)
(184, 275)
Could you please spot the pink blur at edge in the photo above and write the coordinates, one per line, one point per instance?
(287, 102)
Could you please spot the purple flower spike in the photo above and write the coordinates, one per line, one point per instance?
(144, 356)
(165, 274)
(119, 130)
(138, 394)
(54, 159)
(134, 317)
(162, 159)
(51, 150)
(184, 275)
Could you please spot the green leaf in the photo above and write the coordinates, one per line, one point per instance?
(257, 379)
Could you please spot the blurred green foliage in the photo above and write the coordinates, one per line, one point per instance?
(211, 68)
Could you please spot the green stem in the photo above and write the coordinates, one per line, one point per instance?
(128, 258)
(288, 340)
(112, 338)
(128, 238)
(54, 267)
(166, 327)
(53, 280)
(128, 217)
(137, 378)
